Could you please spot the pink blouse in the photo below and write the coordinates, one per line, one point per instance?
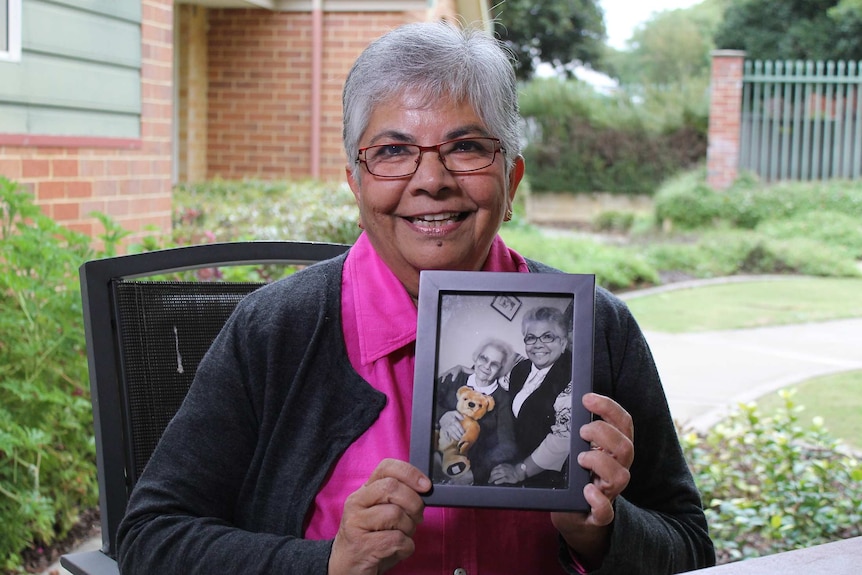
(379, 324)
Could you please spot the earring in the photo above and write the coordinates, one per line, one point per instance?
(508, 216)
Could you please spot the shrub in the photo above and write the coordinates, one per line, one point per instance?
(831, 228)
(615, 268)
(770, 483)
(686, 202)
(222, 210)
(47, 456)
(727, 252)
(581, 141)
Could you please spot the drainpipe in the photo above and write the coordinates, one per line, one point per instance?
(316, 81)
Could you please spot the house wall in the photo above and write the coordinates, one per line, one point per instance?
(260, 85)
(127, 178)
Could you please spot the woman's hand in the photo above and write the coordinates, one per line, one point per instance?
(612, 451)
(450, 428)
(379, 520)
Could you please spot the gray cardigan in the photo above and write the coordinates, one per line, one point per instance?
(274, 403)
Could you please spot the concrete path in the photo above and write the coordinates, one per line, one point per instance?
(705, 374)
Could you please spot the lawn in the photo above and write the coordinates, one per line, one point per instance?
(749, 304)
(837, 398)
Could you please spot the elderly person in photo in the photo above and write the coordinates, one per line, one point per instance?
(289, 454)
(496, 442)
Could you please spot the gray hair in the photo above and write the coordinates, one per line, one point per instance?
(438, 60)
(549, 314)
(500, 345)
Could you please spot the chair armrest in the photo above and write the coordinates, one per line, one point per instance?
(89, 563)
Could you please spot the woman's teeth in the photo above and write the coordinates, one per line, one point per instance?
(436, 219)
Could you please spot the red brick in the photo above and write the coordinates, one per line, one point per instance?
(32, 168)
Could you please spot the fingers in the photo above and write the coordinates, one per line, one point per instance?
(379, 520)
(503, 474)
(613, 433)
(612, 449)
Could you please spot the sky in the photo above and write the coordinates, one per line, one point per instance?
(622, 16)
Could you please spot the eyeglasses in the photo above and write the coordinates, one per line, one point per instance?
(458, 156)
(544, 338)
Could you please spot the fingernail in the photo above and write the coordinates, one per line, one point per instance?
(424, 483)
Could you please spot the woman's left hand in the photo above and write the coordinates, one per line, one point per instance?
(611, 455)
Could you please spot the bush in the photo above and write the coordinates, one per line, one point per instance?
(726, 252)
(581, 141)
(47, 455)
(771, 484)
(224, 211)
(686, 202)
(831, 228)
(615, 268)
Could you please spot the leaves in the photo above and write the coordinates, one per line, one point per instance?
(772, 483)
(47, 459)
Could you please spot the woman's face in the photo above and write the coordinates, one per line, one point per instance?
(433, 219)
(544, 354)
(488, 364)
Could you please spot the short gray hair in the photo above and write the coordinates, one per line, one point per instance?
(438, 60)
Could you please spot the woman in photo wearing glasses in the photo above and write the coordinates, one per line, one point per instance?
(541, 391)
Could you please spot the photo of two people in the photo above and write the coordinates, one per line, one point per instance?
(507, 383)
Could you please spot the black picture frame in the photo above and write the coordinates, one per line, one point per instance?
(456, 315)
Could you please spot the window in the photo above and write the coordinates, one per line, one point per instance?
(10, 30)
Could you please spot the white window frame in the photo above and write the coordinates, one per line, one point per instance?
(13, 33)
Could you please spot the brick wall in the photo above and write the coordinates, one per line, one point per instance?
(130, 180)
(260, 67)
(725, 117)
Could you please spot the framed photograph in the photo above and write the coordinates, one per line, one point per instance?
(508, 305)
(502, 361)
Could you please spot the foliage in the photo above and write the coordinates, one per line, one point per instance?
(829, 227)
(686, 202)
(793, 29)
(770, 483)
(615, 268)
(47, 456)
(579, 141)
(670, 49)
(560, 32)
(220, 210)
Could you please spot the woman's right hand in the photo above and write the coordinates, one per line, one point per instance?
(379, 520)
(450, 428)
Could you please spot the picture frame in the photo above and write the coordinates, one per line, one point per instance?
(471, 349)
(507, 305)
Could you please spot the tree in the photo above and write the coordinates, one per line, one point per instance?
(563, 33)
(793, 29)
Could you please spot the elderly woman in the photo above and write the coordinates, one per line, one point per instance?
(541, 388)
(289, 453)
(496, 443)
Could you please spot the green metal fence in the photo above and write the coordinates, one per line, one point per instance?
(801, 120)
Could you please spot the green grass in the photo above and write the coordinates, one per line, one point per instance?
(749, 304)
(836, 398)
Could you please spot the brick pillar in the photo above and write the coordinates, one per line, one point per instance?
(725, 118)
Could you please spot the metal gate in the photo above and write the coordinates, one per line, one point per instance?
(801, 120)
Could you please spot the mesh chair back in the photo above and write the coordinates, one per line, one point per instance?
(145, 340)
(164, 330)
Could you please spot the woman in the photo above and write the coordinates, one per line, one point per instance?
(289, 453)
(496, 443)
(541, 391)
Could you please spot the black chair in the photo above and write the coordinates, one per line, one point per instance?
(145, 339)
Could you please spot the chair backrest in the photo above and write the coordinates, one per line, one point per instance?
(144, 342)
